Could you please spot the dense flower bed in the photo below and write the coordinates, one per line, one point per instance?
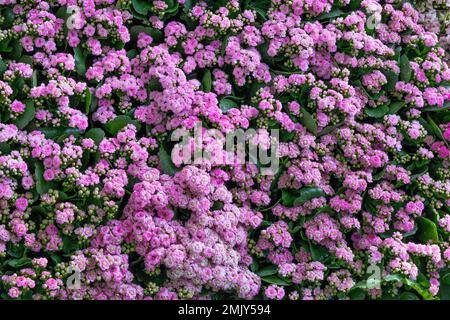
(95, 205)
(435, 16)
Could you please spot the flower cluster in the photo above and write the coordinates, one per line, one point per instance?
(96, 202)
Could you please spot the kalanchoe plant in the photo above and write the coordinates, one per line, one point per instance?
(95, 205)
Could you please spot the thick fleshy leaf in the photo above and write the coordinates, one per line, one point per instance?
(226, 104)
(95, 134)
(405, 69)
(377, 112)
(118, 123)
(427, 230)
(25, 118)
(206, 81)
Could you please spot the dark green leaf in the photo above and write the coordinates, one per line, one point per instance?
(318, 253)
(24, 119)
(395, 107)
(95, 134)
(19, 263)
(206, 81)
(226, 104)
(434, 128)
(377, 112)
(426, 230)
(69, 245)
(275, 280)
(88, 101)
(141, 6)
(446, 279)
(288, 197)
(330, 15)
(42, 186)
(405, 69)
(80, 60)
(17, 50)
(3, 67)
(267, 271)
(166, 163)
(408, 296)
(445, 107)
(53, 133)
(444, 292)
(357, 294)
(307, 194)
(308, 121)
(156, 34)
(392, 79)
(118, 123)
(34, 80)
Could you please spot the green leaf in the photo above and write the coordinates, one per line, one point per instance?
(141, 6)
(34, 79)
(392, 79)
(206, 81)
(408, 296)
(166, 163)
(405, 69)
(19, 263)
(444, 292)
(88, 101)
(445, 107)
(116, 124)
(154, 85)
(423, 280)
(434, 128)
(69, 245)
(5, 46)
(53, 133)
(268, 271)
(308, 121)
(446, 279)
(357, 294)
(156, 34)
(307, 194)
(3, 67)
(172, 7)
(329, 129)
(80, 60)
(261, 12)
(55, 257)
(95, 134)
(377, 176)
(287, 198)
(42, 186)
(188, 4)
(392, 277)
(254, 88)
(25, 118)
(276, 280)
(318, 253)
(330, 15)
(424, 293)
(426, 230)
(137, 15)
(377, 112)
(17, 50)
(395, 107)
(9, 15)
(131, 53)
(16, 251)
(227, 104)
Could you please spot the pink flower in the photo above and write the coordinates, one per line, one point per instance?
(14, 292)
(21, 203)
